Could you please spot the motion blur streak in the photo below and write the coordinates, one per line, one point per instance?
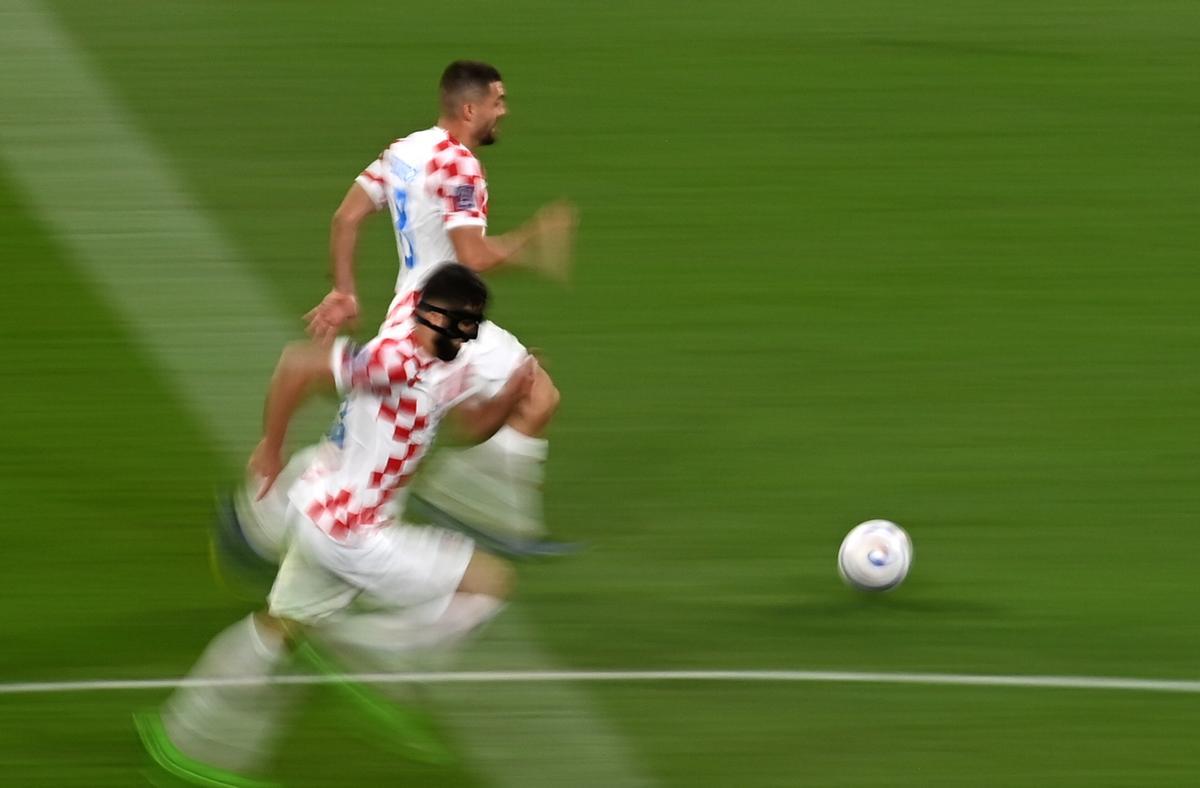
(182, 287)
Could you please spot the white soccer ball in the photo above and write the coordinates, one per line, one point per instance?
(875, 556)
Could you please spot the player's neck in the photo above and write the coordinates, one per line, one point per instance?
(459, 131)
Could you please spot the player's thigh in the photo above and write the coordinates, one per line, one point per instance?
(487, 574)
(306, 589)
(403, 565)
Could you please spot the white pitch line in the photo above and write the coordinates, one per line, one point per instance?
(185, 293)
(1176, 686)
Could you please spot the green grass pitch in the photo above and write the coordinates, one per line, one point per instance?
(935, 262)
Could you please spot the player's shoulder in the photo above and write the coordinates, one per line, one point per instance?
(424, 139)
(454, 159)
(398, 335)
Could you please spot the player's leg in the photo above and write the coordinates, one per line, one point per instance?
(264, 521)
(425, 591)
(421, 636)
(228, 713)
(249, 534)
(221, 725)
(495, 488)
(523, 448)
(534, 413)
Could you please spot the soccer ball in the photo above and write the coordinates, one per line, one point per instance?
(875, 556)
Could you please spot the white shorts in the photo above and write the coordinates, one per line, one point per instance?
(265, 521)
(396, 566)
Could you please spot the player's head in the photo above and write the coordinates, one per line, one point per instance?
(473, 94)
(450, 309)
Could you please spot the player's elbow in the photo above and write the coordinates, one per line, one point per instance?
(291, 359)
(475, 250)
(303, 362)
(351, 213)
(346, 218)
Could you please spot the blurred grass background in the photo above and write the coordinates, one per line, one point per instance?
(933, 262)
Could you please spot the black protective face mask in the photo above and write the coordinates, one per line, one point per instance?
(444, 348)
(463, 325)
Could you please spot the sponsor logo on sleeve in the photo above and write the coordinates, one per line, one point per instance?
(464, 199)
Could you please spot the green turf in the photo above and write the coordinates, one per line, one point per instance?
(933, 262)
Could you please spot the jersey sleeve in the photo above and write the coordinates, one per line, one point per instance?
(372, 182)
(382, 363)
(460, 188)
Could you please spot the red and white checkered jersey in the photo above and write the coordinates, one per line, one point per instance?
(431, 184)
(388, 419)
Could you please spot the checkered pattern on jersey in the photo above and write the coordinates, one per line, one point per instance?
(456, 178)
(402, 309)
(384, 363)
(387, 367)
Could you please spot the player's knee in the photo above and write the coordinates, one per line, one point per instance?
(543, 396)
(285, 630)
(503, 579)
(534, 412)
(489, 575)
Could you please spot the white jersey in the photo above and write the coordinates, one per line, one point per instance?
(431, 184)
(388, 419)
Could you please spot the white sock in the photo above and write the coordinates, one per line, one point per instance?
(495, 486)
(231, 727)
(513, 441)
(518, 461)
(524, 458)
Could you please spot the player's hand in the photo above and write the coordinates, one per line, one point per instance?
(266, 463)
(337, 309)
(552, 247)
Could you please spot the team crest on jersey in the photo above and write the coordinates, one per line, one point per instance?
(464, 198)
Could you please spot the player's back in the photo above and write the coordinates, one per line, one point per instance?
(431, 184)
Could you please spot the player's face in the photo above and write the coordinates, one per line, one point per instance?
(444, 330)
(489, 111)
(434, 336)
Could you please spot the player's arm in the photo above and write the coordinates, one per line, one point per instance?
(481, 252)
(356, 206)
(542, 243)
(340, 305)
(303, 368)
(479, 418)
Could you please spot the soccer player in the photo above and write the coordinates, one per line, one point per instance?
(346, 553)
(434, 189)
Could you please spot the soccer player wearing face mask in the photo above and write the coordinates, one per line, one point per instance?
(434, 189)
(346, 551)
(436, 193)
(457, 326)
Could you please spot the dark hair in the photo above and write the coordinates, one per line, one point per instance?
(465, 76)
(456, 286)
